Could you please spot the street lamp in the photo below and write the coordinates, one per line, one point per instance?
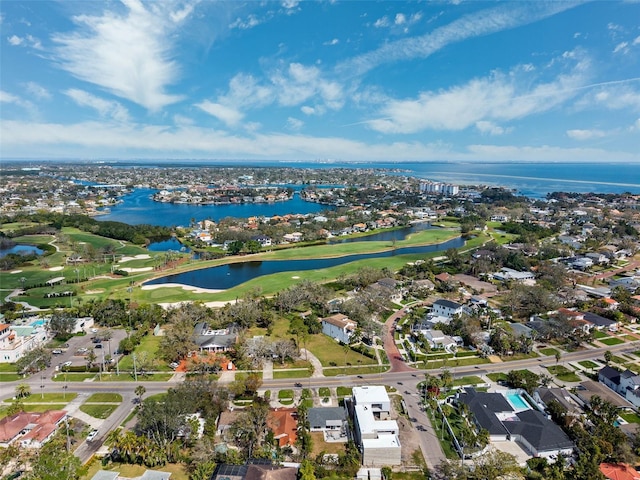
(42, 387)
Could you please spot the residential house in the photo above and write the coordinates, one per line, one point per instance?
(531, 429)
(210, 340)
(601, 323)
(507, 274)
(626, 383)
(283, 422)
(30, 429)
(438, 340)
(447, 308)
(339, 327)
(256, 469)
(263, 240)
(375, 433)
(619, 471)
(327, 419)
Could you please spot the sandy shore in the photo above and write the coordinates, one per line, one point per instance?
(190, 288)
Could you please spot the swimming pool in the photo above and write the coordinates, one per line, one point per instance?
(37, 323)
(516, 400)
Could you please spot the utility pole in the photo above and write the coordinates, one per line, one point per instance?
(135, 372)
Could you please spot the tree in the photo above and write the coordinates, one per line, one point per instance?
(307, 471)
(61, 324)
(608, 356)
(91, 358)
(446, 378)
(53, 462)
(23, 390)
(558, 356)
(140, 390)
(284, 349)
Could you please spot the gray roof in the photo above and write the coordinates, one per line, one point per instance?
(539, 431)
(547, 395)
(105, 475)
(520, 329)
(484, 406)
(155, 475)
(610, 374)
(320, 416)
(448, 303)
(598, 320)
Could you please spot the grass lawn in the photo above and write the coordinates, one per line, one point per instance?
(36, 397)
(99, 410)
(630, 417)
(129, 377)
(319, 445)
(150, 345)
(73, 377)
(291, 373)
(612, 341)
(629, 338)
(334, 372)
(34, 407)
(549, 351)
(617, 359)
(105, 398)
(285, 394)
(588, 364)
(8, 372)
(458, 362)
(178, 471)
(324, 392)
(344, 391)
(597, 334)
(497, 377)
(470, 380)
(329, 351)
(520, 356)
(563, 373)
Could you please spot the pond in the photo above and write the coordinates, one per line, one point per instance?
(166, 245)
(21, 250)
(227, 276)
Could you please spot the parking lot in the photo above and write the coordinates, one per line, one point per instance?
(77, 348)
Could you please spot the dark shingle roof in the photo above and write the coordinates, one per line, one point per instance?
(484, 406)
(539, 431)
(598, 320)
(610, 374)
(319, 416)
(447, 303)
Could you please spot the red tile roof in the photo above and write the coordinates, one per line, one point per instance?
(39, 425)
(284, 425)
(620, 471)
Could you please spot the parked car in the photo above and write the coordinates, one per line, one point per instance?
(174, 365)
(57, 351)
(98, 345)
(92, 435)
(67, 364)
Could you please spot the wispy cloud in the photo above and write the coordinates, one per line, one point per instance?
(26, 41)
(582, 135)
(38, 91)
(106, 108)
(129, 54)
(482, 101)
(483, 23)
(6, 97)
(224, 113)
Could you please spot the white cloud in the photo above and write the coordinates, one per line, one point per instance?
(483, 23)
(294, 124)
(491, 128)
(130, 54)
(621, 47)
(307, 110)
(400, 19)
(31, 140)
(6, 97)
(38, 91)
(26, 41)
(498, 97)
(636, 41)
(333, 41)
(612, 96)
(585, 134)
(289, 4)
(250, 22)
(381, 22)
(105, 108)
(226, 114)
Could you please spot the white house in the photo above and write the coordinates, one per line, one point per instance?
(446, 308)
(16, 341)
(375, 433)
(339, 326)
(506, 274)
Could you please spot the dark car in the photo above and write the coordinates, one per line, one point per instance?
(298, 384)
(98, 345)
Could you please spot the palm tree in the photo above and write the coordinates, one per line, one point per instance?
(140, 391)
(446, 378)
(23, 390)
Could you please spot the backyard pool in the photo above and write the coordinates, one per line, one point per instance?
(37, 323)
(516, 400)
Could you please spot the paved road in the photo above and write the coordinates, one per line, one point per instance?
(405, 380)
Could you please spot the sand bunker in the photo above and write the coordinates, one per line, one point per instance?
(142, 256)
(180, 285)
(16, 271)
(295, 277)
(93, 292)
(133, 270)
(55, 269)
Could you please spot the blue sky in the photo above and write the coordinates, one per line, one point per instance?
(350, 81)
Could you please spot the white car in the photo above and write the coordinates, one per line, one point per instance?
(92, 435)
(67, 364)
